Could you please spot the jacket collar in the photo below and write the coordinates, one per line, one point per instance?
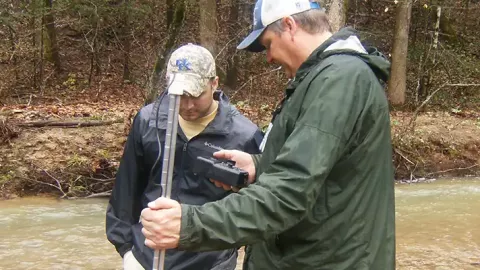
(345, 40)
(221, 124)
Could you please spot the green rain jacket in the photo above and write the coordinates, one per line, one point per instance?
(324, 192)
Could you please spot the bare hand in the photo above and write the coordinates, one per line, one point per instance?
(242, 160)
(161, 224)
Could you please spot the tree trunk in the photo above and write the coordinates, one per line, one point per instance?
(13, 47)
(126, 41)
(398, 81)
(170, 12)
(208, 24)
(153, 23)
(424, 81)
(172, 34)
(42, 53)
(232, 56)
(33, 12)
(337, 12)
(446, 26)
(94, 58)
(434, 53)
(437, 28)
(51, 45)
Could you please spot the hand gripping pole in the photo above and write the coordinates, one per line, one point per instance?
(168, 160)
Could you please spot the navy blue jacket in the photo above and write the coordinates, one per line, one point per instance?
(137, 183)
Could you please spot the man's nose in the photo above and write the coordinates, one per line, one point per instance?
(269, 58)
(190, 103)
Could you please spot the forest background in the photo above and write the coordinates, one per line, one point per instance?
(73, 73)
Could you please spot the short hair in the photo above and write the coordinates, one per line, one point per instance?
(312, 21)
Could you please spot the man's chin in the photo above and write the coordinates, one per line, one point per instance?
(287, 73)
(189, 117)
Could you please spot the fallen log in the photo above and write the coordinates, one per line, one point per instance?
(10, 112)
(70, 124)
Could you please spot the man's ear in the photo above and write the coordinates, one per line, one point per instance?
(215, 83)
(290, 26)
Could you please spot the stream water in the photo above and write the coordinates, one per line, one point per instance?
(438, 227)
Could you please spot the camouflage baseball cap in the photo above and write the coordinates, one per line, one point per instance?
(189, 70)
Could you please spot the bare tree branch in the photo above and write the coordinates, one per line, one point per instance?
(414, 117)
(101, 194)
(451, 170)
(400, 153)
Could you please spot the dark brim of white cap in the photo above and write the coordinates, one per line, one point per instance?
(251, 42)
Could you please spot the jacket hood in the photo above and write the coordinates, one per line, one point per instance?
(346, 41)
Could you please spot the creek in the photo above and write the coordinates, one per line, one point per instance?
(437, 227)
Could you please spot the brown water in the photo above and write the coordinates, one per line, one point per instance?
(40, 233)
(438, 227)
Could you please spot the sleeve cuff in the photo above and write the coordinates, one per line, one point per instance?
(256, 162)
(124, 249)
(186, 227)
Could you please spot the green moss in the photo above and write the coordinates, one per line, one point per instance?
(6, 177)
(77, 161)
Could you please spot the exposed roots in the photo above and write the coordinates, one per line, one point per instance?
(79, 182)
(416, 158)
(7, 131)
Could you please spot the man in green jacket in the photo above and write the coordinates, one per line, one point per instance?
(322, 191)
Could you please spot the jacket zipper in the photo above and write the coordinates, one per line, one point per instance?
(182, 171)
(182, 176)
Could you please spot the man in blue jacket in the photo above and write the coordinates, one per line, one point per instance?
(207, 123)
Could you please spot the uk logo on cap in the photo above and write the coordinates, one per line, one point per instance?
(183, 64)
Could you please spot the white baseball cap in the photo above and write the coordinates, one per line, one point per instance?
(267, 12)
